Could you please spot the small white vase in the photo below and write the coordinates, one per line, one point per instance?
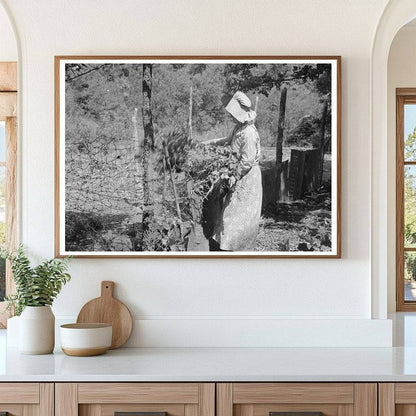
(13, 331)
(37, 330)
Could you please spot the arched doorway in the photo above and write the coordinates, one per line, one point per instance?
(396, 14)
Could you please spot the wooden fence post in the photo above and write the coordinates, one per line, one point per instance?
(172, 179)
(279, 142)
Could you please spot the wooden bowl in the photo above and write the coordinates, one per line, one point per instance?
(84, 340)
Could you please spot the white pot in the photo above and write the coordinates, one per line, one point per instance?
(37, 330)
(86, 339)
(13, 331)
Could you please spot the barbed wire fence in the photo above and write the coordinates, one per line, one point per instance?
(103, 189)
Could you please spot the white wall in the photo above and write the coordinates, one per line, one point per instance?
(181, 301)
(8, 47)
(401, 74)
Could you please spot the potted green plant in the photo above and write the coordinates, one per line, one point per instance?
(36, 289)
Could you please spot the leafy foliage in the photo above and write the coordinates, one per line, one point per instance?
(166, 234)
(410, 191)
(2, 233)
(410, 266)
(100, 99)
(410, 207)
(35, 286)
(210, 168)
(410, 146)
(262, 78)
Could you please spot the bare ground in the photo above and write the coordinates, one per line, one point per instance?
(297, 226)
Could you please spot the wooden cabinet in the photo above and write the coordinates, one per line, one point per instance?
(208, 399)
(106, 399)
(297, 399)
(27, 399)
(397, 399)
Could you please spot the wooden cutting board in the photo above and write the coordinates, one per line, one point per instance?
(107, 309)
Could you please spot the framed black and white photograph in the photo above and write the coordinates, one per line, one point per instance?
(197, 156)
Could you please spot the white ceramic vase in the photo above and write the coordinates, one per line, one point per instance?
(13, 331)
(37, 330)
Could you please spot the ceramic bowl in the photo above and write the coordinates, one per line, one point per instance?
(83, 340)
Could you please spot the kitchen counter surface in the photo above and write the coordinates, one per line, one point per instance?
(213, 364)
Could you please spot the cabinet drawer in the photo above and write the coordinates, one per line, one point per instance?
(153, 399)
(138, 393)
(19, 393)
(22, 399)
(297, 399)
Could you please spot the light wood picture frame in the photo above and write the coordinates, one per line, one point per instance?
(140, 170)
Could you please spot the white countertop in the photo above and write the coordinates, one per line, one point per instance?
(213, 364)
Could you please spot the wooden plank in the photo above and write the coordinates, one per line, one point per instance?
(66, 399)
(293, 393)
(312, 170)
(8, 76)
(47, 399)
(345, 410)
(8, 105)
(246, 410)
(171, 409)
(296, 169)
(224, 399)
(191, 410)
(207, 399)
(138, 393)
(386, 400)
(405, 410)
(24, 393)
(31, 410)
(405, 91)
(90, 410)
(365, 403)
(405, 393)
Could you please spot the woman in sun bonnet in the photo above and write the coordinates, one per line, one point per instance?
(237, 227)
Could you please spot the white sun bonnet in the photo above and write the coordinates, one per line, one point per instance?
(240, 108)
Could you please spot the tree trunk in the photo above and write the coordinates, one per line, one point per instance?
(148, 145)
(279, 143)
(135, 131)
(322, 143)
(190, 116)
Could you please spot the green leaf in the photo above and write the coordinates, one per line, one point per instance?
(35, 286)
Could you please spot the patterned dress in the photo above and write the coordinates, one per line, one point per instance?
(237, 227)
